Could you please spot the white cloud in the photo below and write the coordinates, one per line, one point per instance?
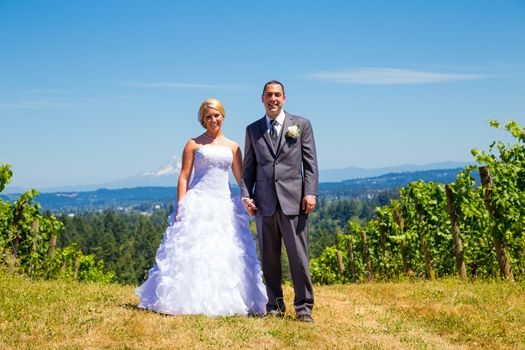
(390, 76)
(40, 92)
(175, 85)
(34, 105)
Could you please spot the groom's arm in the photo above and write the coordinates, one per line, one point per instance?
(310, 170)
(249, 166)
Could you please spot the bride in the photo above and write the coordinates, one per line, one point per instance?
(207, 261)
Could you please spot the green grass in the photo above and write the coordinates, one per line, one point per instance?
(446, 314)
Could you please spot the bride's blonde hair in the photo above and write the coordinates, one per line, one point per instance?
(210, 103)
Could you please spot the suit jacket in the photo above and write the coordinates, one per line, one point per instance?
(282, 174)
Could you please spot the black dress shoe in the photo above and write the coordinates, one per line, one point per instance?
(275, 313)
(305, 318)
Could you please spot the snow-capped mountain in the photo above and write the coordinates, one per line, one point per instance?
(165, 176)
(172, 168)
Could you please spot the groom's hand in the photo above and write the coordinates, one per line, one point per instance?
(250, 206)
(308, 203)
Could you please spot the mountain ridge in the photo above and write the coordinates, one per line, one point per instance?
(167, 176)
(146, 199)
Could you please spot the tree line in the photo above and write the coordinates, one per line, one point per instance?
(127, 241)
(119, 246)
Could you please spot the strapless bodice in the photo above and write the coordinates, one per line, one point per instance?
(212, 166)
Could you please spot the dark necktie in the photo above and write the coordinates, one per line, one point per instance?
(273, 131)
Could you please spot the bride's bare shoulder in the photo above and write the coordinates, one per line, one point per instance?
(192, 144)
(232, 144)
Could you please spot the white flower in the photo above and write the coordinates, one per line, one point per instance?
(293, 132)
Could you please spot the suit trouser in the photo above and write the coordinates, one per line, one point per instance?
(293, 230)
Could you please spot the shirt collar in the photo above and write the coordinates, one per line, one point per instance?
(279, 119)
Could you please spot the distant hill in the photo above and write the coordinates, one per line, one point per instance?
(138, 199)
(371, 185)
(156, 197)
(335, 175)
(167, 176)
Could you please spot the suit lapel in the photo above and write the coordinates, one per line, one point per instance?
(263, 128)
(282, 140)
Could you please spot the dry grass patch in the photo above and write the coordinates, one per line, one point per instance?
(438, 315)
(488, 315)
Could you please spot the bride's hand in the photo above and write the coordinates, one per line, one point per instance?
(250, 206)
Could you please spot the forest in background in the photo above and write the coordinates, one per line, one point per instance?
(127, 242)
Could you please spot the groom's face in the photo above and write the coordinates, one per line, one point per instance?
(273, 100)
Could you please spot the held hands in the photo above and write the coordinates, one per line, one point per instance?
(250, 206)
(309, 203)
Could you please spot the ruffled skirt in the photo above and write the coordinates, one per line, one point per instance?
(207, 261)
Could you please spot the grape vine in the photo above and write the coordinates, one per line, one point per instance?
(28, 242)
(471, 228)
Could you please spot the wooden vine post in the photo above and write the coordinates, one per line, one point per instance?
(458, 244)
(35, 227)
(431, 271)
(366, 256)
(382, 241)
(76, 266)
(402, 245)
(11, 261)
(351, 258)
(340, 264)
(52, 245)
(499, 244)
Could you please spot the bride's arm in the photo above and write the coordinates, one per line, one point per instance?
(186, 169)
(237, 164)
(237, 173)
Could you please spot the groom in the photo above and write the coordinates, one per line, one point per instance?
(279, 187)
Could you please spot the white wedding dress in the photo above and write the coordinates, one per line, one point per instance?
(207, 261)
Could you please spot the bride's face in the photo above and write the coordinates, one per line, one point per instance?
(213, 120)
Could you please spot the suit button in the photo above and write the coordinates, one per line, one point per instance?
(276, 180)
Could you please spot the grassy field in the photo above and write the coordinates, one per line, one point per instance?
(446, 314)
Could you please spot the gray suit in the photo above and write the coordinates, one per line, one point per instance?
(277, 178)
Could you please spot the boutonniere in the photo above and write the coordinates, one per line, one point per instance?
(293, 132)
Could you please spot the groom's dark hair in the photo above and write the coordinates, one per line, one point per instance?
(272, 82)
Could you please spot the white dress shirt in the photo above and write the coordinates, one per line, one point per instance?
(278, 125)
(278, 128)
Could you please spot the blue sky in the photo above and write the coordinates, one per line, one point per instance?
(94, 91)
